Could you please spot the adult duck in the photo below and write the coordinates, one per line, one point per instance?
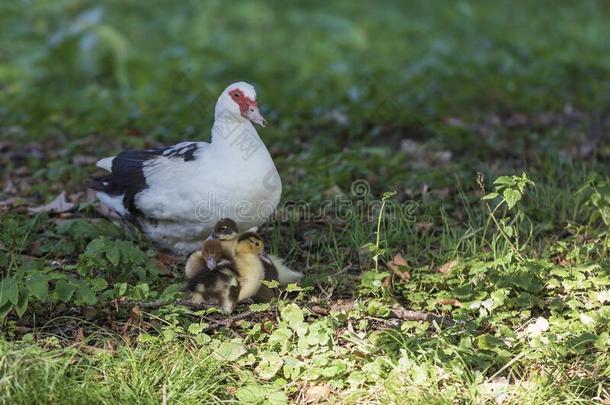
(176, 194)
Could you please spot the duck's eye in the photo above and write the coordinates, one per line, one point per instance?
(235, 94)
(224, 228)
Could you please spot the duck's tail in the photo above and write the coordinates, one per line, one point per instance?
(285, 274)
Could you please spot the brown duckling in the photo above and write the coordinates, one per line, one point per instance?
(202, 259)
(212, 279)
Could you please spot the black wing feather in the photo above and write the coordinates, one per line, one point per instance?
(127, 176)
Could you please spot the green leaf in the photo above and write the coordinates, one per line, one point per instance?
(5, 309)
(114, 256)
(277, 398)
(269, 365)
(97, 284)
(86, 295)
(292, 287)
(292, 314)
(488, 341)
(9, 291)
(260, 307)
(39, 286)
(230, 351)
(140, 291)
(96, 247)
(22, 305)
(509, 230)
(251, 394)
(120, 289)
(490, 196)
(505, 180)
(64, 290)
(512, 197)
(195, 328)
(271, 283)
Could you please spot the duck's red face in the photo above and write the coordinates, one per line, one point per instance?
(247, 107)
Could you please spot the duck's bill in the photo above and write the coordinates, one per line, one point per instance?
(211, 263)
(255, 116)
(265, 258)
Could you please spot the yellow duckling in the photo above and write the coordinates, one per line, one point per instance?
(248, 264)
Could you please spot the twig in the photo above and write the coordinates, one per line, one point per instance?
(398, 312)
(164, 394)
(228, 322)
(408, 315)
(163, 303)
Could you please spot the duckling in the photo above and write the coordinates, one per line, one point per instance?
(248, 264)
(212, 279)
(227, 232)
(202, 259)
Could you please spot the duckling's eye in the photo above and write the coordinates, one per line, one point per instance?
(235, 95)
(224, 228)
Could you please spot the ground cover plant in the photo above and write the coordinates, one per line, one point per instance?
(446, 192)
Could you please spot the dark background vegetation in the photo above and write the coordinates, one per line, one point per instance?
(415, 97)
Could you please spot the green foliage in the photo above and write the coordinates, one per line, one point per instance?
(117, 259)
(509, 189)
(597, 191)
(32, 283)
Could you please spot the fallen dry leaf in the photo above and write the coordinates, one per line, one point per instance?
(395, 265)
(535, 329)
(398, 265)
(79, 335)
(447, 267)
(163, 268)
(22, 330)
(317, 393)
(450, 301)
(397, 261)
(90, 313)
(106, 212)
(167, 258)
(424, 227)
(498, 389)
(58, 205)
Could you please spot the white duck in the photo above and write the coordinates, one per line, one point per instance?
(177, 194)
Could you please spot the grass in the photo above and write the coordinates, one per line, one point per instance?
(429, 99)
(35, 375)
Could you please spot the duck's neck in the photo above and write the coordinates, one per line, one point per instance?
(237, 138)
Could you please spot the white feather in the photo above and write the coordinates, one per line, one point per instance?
(285, 274)
(105, 163)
